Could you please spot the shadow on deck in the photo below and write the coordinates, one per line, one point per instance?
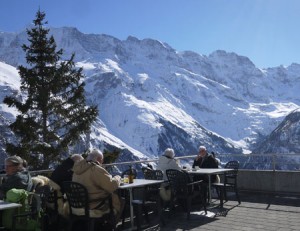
(256, 212)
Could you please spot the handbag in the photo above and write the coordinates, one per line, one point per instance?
(165, 192)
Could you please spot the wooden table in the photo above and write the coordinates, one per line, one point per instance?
(209, 172)
(136, 184)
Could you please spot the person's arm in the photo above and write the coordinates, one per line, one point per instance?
(194, 164)
(197, 162)
(105, 181)
(13, 181)
(174, 165)
(3, 189)
(212, 162)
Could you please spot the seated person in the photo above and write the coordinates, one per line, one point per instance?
(205, 160)
(63, 172)
(217, 159)
(167, 161)
(16, 176)
(98, 182)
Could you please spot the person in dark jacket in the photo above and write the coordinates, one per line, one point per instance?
(16, 176)
(63, 172)
(205, 160)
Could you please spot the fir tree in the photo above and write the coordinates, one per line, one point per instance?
(54, 113)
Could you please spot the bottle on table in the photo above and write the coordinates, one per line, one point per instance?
(130, 175)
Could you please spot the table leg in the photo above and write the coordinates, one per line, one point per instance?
(209, 187)
(131, 207)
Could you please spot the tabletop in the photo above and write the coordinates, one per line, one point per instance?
(8, 205)
(209, 170)
(140, 183)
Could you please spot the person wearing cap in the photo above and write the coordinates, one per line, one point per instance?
(16, 176)
(98, 182)
(205, 160)
(167, 161)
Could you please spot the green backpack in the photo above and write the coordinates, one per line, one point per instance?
(23, 223)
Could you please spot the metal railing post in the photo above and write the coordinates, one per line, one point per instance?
(274, 162)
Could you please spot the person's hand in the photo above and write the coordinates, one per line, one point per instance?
(118, 178)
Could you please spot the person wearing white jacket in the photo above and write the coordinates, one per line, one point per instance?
(167, 161)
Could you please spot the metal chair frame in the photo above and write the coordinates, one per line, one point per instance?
(77, 197)
(183, 189)
(229, 182)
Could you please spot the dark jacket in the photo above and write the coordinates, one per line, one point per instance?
(63, 172)
(208, 161)
(19, 180)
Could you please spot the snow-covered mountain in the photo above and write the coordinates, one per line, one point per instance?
(151, 96)
(285, 138)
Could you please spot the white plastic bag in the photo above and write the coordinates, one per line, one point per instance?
(165, 192)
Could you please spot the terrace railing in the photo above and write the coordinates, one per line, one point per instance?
(258, 172)
(274, 162)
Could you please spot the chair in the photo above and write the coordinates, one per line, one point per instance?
(78, 199)
(229, 182)
(184, 190)
(151, 174)
(152, 191)
(146, 171)
(51, 217)
(29, 216)
(150, 196)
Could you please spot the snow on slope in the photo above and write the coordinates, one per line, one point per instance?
(9, 84)
(139, 84)
(9, 76)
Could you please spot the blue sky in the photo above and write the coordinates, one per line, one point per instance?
(266, 31)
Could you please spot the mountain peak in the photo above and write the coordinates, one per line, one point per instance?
(221, 56)
(151, 97)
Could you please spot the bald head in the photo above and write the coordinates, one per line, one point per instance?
(202, 151)
(76, 157)
(202, 148)
(95, 155)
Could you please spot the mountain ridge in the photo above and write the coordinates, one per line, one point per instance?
(150, 95)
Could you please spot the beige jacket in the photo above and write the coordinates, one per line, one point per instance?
(99, 183)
